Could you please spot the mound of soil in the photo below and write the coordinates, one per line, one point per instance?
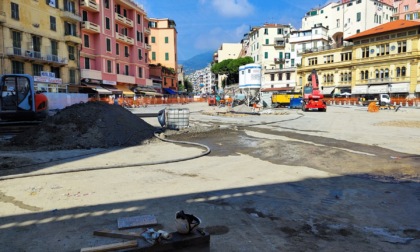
(84, 126)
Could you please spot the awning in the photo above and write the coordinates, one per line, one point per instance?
(279, 89)
(327, 90)
(399, 88)
(361, 89)
(113, 89)
(98, 89)
(378, 89)
(151, 93)
(126, 91)
(170, 91)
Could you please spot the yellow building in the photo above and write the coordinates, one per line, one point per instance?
(41, 38)
(384, 59)
(163, 42)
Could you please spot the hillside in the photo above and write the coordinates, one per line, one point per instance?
(197, 62)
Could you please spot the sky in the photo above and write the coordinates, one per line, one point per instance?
(203, 25)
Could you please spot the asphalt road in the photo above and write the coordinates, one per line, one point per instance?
(285, 180)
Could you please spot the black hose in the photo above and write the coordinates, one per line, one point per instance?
(10, 177)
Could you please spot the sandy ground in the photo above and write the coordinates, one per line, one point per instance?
(344, 180)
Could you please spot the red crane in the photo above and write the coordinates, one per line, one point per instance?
(312, 97)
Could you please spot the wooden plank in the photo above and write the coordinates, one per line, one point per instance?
(111, 247)
(136, 221)
(194, 241)
(118, 234)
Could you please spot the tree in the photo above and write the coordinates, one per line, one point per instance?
(230, 67)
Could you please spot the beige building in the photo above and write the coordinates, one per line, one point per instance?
(225, 51)
(41, 38)
(384, 59)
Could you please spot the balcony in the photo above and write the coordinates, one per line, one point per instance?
(148, 47)
(125, 39)
(2, 17)
(72, 38)
(123, 20)
(279, 44)
(90, 74)
(70, 16)
(89, 5)
(147, 31)
(90, 27)
(279, 60)
(126, 79)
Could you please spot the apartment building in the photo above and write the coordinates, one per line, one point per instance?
(347, 17)
(383, 59)
(115, 46)
(225, 51)
(407, 9)
(202, 80)
(41, 38)
(163, 41)
(269, 47)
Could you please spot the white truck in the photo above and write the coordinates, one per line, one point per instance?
(380, 99)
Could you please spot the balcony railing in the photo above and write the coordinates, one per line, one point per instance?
(90, 74)
(90, 27)
(123, 20)
(125, 39)
(72, 38)
(35, 56)
(90, 5)
(70, 16)
(126, 79)
(147, 31)
(148, 47)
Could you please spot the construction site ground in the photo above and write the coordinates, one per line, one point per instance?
(282, 180)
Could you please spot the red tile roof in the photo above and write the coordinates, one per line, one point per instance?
(387, 27)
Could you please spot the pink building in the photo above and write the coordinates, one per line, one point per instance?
(407, 10)
(114, 50)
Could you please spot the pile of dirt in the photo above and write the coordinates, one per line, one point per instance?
(84, 126)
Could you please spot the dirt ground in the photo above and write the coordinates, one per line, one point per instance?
(283, 180)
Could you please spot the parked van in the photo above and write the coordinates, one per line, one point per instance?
(380, 99)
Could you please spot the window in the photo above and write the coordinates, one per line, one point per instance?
(53, 24)
(109, 66)
(69, 6)
(292, 62)
(140, 72)
(358, 16)
(15, 11)
(106, 4)
(126, 51)
(405, 7)
(17, 42)
(153, 40)
(117, 49)
(402, 46)
(166, 40)
(265, 55)
(338, 23)
(70, 29)
(72, 75)
(287, 55)
(166, 56)
(145, 58)
(280, 76)
(287, 76)
(153, 55)
(265, 31)
(328, 59)
(126, 70)
(279, 31)
(138, 19)
(139, 54)
(267, 41)
(36, 69)
(366, 74)
(117, 68)
(346, 56)
(382, 49)
(271, 77)
(86, 40)
(54, 47)
(84, 16)
(71, 52)
(17, 67)
(107, 23)
(403, 70)
(398, 72)
(312, 61)
(138, 36)
(365, 52)
(108, 45)
(87, 63)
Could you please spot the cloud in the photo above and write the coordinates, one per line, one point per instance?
(232, 8)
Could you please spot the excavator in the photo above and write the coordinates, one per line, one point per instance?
(18, 99)
(312, 97)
